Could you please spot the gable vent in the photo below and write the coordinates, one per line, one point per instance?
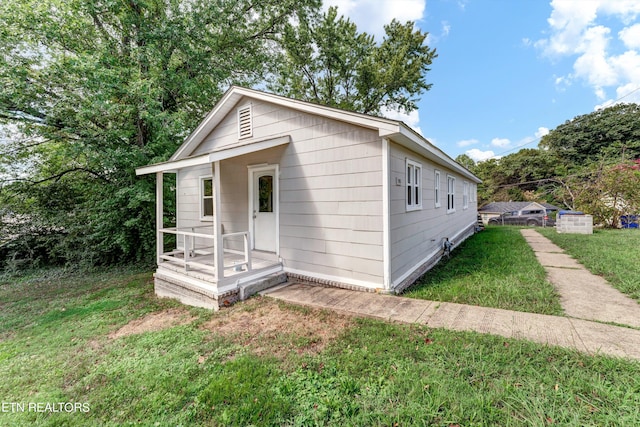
(245, 125)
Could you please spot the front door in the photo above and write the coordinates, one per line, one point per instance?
(264, 208)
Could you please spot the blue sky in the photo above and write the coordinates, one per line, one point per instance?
(508, 71)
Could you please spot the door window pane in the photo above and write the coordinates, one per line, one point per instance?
(265, 193)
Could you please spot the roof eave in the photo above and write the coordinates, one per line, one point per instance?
(410, 139)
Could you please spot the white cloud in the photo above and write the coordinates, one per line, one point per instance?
(593, 65)
(479, 155)
(630, 36)
(446, 28)
(582, 29)
(542, 131)
(629, 93)
(372, 15)
(467, 142)
(412, 119)
(627, 65)
(444, 32)
(500, 142)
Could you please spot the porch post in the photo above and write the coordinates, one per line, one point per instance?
(218, 251)
(159, 216)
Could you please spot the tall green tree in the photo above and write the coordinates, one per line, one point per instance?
(611, 135)
(91, 90)
(466, 161)
(327, 61)
(97, 88)
(524, 175)
(605, 191)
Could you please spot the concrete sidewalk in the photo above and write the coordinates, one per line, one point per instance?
(582, 335)
(582, 295)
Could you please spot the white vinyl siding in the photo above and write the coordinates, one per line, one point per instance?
(189, 205)
(414, 185)
(330, 190)
(331, 202)
(416, 235)
(436, 188)
(451, 194)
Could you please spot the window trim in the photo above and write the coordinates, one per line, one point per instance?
(436, 188)
(465, 195)
(451, 194)
(413, 170)
(201, 196)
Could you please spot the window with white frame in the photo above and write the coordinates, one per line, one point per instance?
(465, 195)
(206, 198)
(414, 185)
(451, 193)
(436, 188)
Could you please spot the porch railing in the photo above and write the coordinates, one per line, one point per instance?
(200, 255)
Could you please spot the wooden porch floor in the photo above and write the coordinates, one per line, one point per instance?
(259, 261)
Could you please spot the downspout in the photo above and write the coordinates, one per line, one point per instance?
(386, 219)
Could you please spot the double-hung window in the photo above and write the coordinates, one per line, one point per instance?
(465, 195)
(451, 193)
(206, 198)
(414, 185)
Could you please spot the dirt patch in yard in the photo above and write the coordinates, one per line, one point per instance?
(153, 322)
(273, 328)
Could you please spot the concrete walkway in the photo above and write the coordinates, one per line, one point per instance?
(582, 335)
(582, 295)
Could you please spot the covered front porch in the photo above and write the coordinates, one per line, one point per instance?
(219, 241)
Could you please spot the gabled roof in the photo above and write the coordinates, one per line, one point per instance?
(500, 207)
(396, 130)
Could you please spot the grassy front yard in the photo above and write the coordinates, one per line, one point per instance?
(613, 254)
(103, 340)
(495, 268)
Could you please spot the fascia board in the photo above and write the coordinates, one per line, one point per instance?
(408, 138)
(222, 154)
(173, 165)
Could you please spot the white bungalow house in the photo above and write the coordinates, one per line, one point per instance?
(270, 187)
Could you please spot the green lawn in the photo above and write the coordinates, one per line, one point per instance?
(494, 268)
(613, 254)
(265, 363)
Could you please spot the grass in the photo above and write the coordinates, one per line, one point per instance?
(57, 345)
(613, 254)
(494, 268)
